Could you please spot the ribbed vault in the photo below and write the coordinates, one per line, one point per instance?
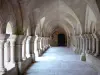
(57, 15)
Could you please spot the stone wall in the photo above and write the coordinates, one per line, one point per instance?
(25, 65)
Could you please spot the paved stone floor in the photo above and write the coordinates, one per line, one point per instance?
(60, 61)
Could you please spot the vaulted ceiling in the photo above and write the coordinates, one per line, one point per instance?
(42, 17)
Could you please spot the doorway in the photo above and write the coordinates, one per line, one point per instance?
(61, 40)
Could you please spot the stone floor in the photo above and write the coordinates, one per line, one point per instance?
(60, 61)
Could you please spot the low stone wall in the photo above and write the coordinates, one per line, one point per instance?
(12, 72)
(25, 65)
(94, 61)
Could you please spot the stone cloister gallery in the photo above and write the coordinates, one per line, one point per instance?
(49, 37)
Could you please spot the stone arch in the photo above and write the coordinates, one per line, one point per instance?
(92, 28)
(26, 47)
(9, 28)
(90, 21)
(9, 44)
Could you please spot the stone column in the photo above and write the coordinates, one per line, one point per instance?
(12, 40)
(80, 44)
(24, 48)
(28, 48)
(44, 44)
(50, 40)
(93, 44)
(7, 51)
(18, 53)
(83, 54)
(38, 46)
(41, 46)
(90, 43)
(47, 43)
(76, 44)
(35, 47)
(39, 49)
(3, 38)
(97, 48)
(67, 41)
(32, 48)
(86, 43)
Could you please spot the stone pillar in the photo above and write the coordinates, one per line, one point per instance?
(24, 48)
(47, 43)
(36, 47)
(41, 51)
(28, 48)
(12, 40)
(44, 44)
(7, 51)
(86, 43)
(3, 38)
(18, 53)
(41, 45)
(83, 54)
(93, 44)
(32, 48)
(76, 44)
(97, 48)
(50, 40)
(90, 43)
(80, 44)
(67, 41)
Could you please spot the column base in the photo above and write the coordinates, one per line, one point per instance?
(28, 55)
(77, 51)
(12, 61)
(80, 51)
(40, 52)
(3, 71)
(19, 68)
(33, 57)
(96, 54)
(24, 58)
(9, 65)
(83, 57)
(93, 52)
